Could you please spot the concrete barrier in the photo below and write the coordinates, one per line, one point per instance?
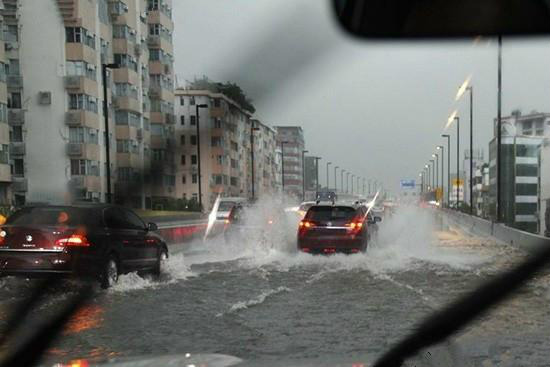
(524, 240)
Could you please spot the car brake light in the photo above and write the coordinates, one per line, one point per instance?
(74, 240)
(305, 224)
(305, 249)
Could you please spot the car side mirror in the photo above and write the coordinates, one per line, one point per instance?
(377, 219)
(152, 226)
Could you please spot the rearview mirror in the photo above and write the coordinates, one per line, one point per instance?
(442, 18)
(152, 226)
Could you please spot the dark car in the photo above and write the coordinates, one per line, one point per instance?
(335, 228)
(92, 241)
(254, 223)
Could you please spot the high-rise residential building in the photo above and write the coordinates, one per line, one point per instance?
(55, 92)
(291, 138)
(266, 169)
(224, 129)
(522, 136)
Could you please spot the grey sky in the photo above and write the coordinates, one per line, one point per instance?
(375, 109)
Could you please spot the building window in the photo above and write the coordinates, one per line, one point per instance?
(78, 167)
(217, 102)
(126, 61)
(527, 189)
(182, 119)
(217, 123)
(193, 140)
(194, 179)
(539, 128)
(16, 134)
(184, 179)
(4, 157)
(183, 160)
(526, 170)
(193, 159)
(182, 101)
(220, 159)
(80, 101)
(193, 120)
(217, 179)
(527, 128)
(80, 35)
(14, 100)
(216, 141)
(234, 181)
(192, 101)
(182, 140)
(18, 167)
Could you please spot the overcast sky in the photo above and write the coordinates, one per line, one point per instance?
(375, 109)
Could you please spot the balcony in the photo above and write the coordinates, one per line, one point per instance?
(14, 81)
(82, 118)
(153, 41)
(90, 183)
(19, 184)
(17, 149)
(16, 117)
(73, 82)
(75, 149)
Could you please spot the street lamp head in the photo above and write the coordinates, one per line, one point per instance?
(446, 135)
(111, 66)
(433, 155)
(202, 105)
(426, 166)
(305, 151)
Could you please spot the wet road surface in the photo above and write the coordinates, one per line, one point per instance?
(258, 302)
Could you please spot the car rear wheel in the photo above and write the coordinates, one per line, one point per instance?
(161, 262)
(110, 274)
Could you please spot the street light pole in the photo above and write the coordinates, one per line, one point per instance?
(304, 175)
(328, 164)
(104, 67)
(342, 179)
(198, 106)
(436, 171)
(369, 185)
(252, 129)
(457, 159)
(335, 184)
(352, 179)
(499, 132)
(433, 173)
(471, 89)
(442, 148)
(448, 167)
(364, 185)
(347, 182)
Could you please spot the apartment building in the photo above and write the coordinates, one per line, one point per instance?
(5, 173)
(54, 53)
(267, 169)
(224, 134)
(291, 139)
(522, 136)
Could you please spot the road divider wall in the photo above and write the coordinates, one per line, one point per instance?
(481, 227)
(185, 231)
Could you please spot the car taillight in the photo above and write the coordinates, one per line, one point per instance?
(355, 226)
(305, 224)
(3, 235)
(74, 240)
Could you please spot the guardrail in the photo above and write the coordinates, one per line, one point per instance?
(525, 240)
(181, 231)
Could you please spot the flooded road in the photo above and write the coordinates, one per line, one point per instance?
(266, 303)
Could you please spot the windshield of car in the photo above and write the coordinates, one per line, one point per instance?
(273, 107)
(226, 206)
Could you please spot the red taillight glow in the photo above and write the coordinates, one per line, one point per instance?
(75, 240)
(305, 224)
(355, 226)
(305, 249)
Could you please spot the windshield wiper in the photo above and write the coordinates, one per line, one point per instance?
(444, 323)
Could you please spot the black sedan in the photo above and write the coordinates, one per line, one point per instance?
(89, 240)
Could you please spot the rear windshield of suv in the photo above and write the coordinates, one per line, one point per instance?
(53, 216)
(226, 206)
(330, 213)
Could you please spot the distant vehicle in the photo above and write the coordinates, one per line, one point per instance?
(304, 207)
(91, 241)
(255, 224)
(328, 229)
(226, 204)
(326, 196)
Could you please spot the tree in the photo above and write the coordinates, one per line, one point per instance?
(229, 89)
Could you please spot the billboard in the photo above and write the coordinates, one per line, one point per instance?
(457, 185)
(408, 184)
